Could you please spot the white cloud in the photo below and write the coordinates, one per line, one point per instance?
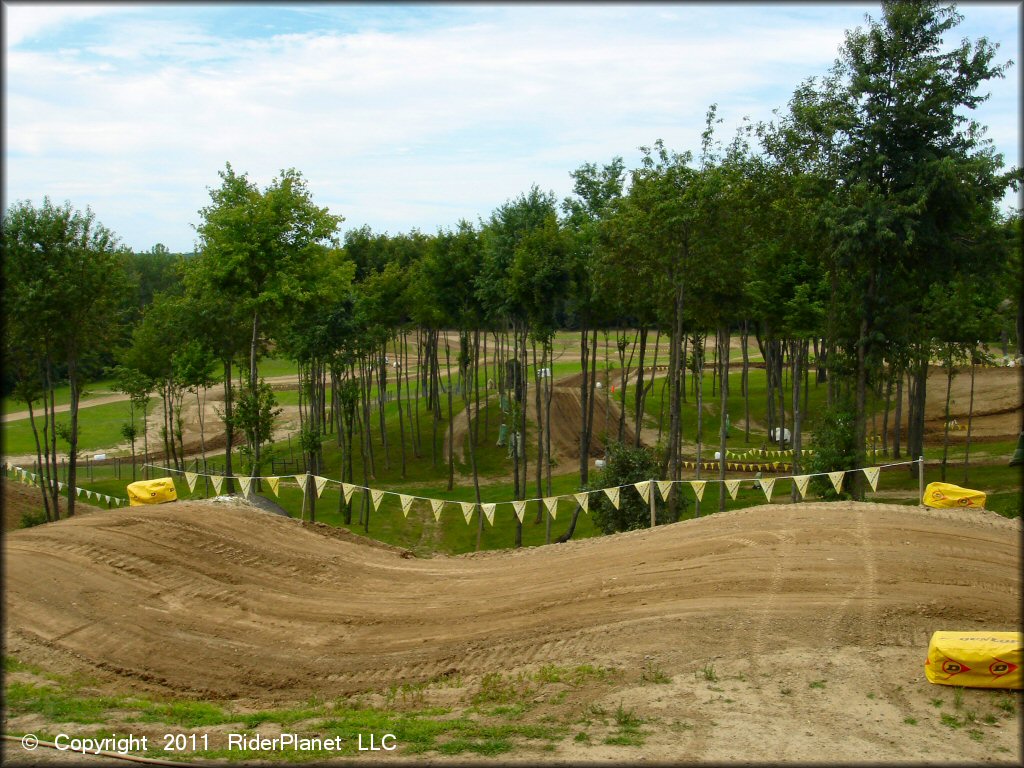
(383, 121)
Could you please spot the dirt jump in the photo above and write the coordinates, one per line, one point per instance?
(814, 618)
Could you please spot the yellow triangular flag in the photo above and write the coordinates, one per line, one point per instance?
(613, 496)
(301, 480)
(520, 508)
(766, 486)
(218, 481)
(732, 486)
(320, 483)
(664, 488)
(436, 505)
(837, 480)
(644, 489)
(190, 478)
(347, 489)
(406, 503)
(489, 512)
(583, 499)
(274, 482)
(551, 502)
(698, 488)
(467, 509)
(872, 475)
(376, 496)
(800, 481)
(245, 482)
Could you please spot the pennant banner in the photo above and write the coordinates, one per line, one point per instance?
(766, 486)
(837, 480)
(732, 486)
(644, 489)
(274, 483)
(520, 508)
(218, 481)
(190, 478)
(406, 503)
(551, 502)
(245, 483)
(320, 482)
(583, 499)
(376, 496)
(489, 512)
(467, 509)
(800, 481)
(664, 488)
(698, 488)
(436, 505)
(872, 475)
(613, 496)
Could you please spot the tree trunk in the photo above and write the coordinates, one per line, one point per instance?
(724, 338)
(970, 416)
(945, 428)
(73, 443)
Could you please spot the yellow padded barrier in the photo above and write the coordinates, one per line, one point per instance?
(945, 495)
(975, 659)
(155, 491)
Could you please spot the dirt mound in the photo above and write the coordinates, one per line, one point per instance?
(223, 601)
(20, 499)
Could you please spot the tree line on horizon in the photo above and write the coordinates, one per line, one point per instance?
(857, 235)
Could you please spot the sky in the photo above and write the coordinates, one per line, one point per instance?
(399, 116)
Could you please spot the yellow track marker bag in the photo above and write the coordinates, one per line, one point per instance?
(976, 659)
(945, 495)
(155, 491)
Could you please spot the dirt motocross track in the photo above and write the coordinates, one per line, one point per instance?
(221, 601)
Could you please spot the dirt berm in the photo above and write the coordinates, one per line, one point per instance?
(220, 601)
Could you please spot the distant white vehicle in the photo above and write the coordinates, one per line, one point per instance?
(780, 434)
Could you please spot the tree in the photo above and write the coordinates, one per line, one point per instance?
(65, 276)
(915, 180)
(263, 250)
(624, 466)
(138, 387)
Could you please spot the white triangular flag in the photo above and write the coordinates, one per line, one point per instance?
(218, 481)
(406, 503)
(551, 502)
(79, 492)
(583, 499)
(60, 486)
(489, 512)
(613, 496)
(106, 499)
(274, 483)
(301, 480)
(766, 486)
(245, 483)
(436, 505)
(88, 494)
(320, 483)
(872, 475)
(347, 490)
(732, 486)
(837, 480)
(698, 488)
(664, 488)
(644, 489)
(800, 481)
(190, 478)
(520, 508)
(467, 509)
(376, 496)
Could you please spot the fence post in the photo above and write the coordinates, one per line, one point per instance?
(651, 491)
(920, 481)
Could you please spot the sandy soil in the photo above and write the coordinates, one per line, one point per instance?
(221, 602)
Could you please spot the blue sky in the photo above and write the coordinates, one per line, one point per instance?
(399, 116)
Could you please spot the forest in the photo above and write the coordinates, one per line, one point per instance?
(852, 240)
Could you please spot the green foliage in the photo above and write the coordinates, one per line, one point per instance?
(834, 448)
(625, 465)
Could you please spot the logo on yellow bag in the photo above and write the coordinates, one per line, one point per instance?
(952, 667)
(998, 668)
